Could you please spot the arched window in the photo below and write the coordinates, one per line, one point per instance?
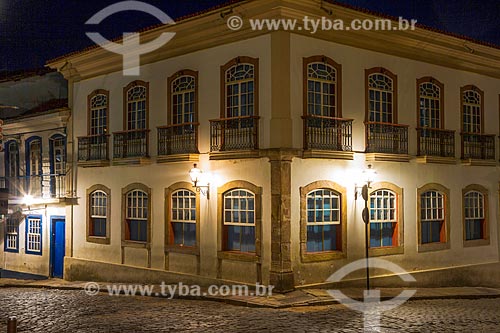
(12, 167)
(383, 219)
(240, 90)
(430, 95)
(323, 86)
(183, 103)
(57, 165)
(239, 220)
(324, 232)
(98, 112)
(432, 217)
(474, 215)
(183, 218)
(136, 107)
(137, 216)
(381, 96)
(34, 165)
(98, 213)
(471, 111)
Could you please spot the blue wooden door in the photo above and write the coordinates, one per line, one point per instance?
(57, 248)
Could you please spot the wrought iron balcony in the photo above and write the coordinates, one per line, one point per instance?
(327, 133)
(478, 146)
(38, 186)
(93, 148)
(386, 138)
(238, 133)
(435, 142)
(133, 143)
(178, 139)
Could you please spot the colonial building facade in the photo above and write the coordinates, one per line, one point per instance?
(35, 173)
(281, 124)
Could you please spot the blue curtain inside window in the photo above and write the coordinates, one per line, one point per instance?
(138, 230)
(240, 238)
(99, 227)
(473, 229)
(322, 238)
(381, 234)
(184, 233)
(431, 231)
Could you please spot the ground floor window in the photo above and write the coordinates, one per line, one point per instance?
(34, 235)
(474, 210)
(11, 235)
(239, 220)
(184, 217)
(383, 219)
(323, 221)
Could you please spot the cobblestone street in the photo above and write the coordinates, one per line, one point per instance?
(40, 310)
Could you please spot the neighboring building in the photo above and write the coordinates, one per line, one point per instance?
(35, 173)
(283, 123)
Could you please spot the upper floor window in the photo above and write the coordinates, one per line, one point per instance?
(382, 96)
(183, 217)
(137, 103)
(11, 242)
(137, 213)
(430, 95)
(240, 87)
(323, 87)
(183, 98)
(58, 155)
(12, 159)
(34, 156)
(324, 231)
(98, 112)
(472, 110)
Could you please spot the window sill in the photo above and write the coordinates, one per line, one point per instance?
(385, 251)
(436, 159)
(98, 240)
(93, 164)
(182, 249)
(429, 247)
(309, 257)
(234, 154)
(136, 244)
(476, 242)
(238, 256)
(177, 158)
(328, 154)
(132, 161)
(11, 250)
(384, 157)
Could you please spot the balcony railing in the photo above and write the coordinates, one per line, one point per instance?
(238, 133)
(327, 133)
(478, 146)
(93, 148)
(178, 139)
(134, 143)
(386, 138)
(38, 186)
(435, 142)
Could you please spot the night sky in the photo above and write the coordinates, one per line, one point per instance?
(34, 31)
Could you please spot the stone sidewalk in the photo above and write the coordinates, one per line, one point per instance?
(299, 297)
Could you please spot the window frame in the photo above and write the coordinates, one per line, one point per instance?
(99, 239)
(234, 62)
(338, 82)
(394, 78)
(26, 238)
(7, 233)
(91, 96)
(398, 191)
(486, 228)
(170, 94)
(128, 242)
(132, 85)
(431, 80)
(169, 237)
(475, 89)
(443, 244)
(236, 255)
(306, 256)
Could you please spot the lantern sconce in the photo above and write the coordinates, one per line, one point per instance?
(196, 175)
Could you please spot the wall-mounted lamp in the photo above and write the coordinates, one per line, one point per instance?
(368, 176)
(196, 177)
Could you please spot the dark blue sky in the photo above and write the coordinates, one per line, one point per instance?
(33, 31)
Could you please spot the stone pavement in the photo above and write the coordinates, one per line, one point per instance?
(297, 298)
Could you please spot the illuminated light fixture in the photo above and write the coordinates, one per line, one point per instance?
(368, 177)
(196, 175)
(28, 200)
